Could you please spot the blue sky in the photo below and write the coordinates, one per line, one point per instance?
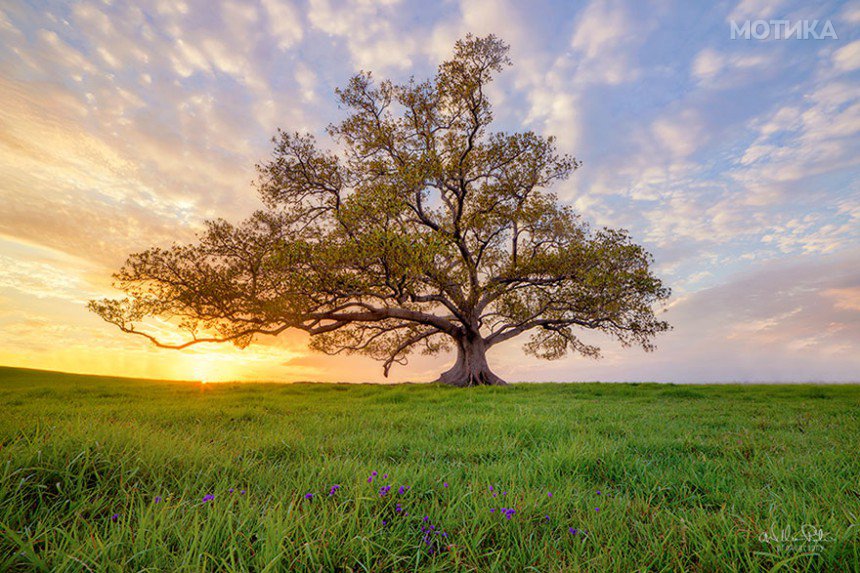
(735, 161)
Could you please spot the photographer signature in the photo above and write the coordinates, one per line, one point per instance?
(809, 539)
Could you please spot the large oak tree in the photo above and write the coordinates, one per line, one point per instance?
(419, 230)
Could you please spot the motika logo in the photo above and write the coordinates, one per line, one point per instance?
(783, 30)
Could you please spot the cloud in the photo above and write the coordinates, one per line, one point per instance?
(373, 42)
(847, 58)
(681, 134)
(284, 22)
(815, 135)
(720, 70)
(756, 10)
(844, 298)
(602, 39)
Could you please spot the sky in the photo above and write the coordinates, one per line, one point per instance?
(735, 161)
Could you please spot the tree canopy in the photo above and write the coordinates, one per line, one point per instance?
(417, 229)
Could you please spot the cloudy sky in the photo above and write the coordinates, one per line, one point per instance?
(735, 161)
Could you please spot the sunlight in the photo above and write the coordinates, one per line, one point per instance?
(217, 366)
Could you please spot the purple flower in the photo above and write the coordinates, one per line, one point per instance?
(370, 479)
(445, 484)
(549, 494)
(114, 517)
(309, 496)
(598, 492)
(546, 517)
(492, 510)
(504, 493)
(157, 499)
(208, 497)
(333, 489)
(573, 531)
(383, 491)
(385, 476)
(231, 490)
(373, 473)
(242, 492)
(398, 509)
(402, 489)
(596, 509)
(426, 518)
(384, 523)
(491, 488)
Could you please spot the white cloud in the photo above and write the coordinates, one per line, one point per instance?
(847, 58)
(756, 10)
(374, 43)
(721, 70)
(284, 22)
(680, 134)
(602, 39)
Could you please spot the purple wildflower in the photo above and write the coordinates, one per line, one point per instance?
(333, 489)
(598, 492)
(573, 531)
(445, 484)
(309, 496)
(370, 479)
(114, 517)
(546, 517)
(402, 489)
(549, 494)
(385, 476)
(596, 509)
(242, 492)
(384, 523)
(383, 491)
(231, 490)
(426, 518)
(492, 510)
(208, 497)
(157, 499)
(373, 473)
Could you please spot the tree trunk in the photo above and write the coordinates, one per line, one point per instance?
(471, 368)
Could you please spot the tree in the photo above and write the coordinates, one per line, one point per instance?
(421, 231)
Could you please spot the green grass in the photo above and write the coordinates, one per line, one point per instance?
(690, 476)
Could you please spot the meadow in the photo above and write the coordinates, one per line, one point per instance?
(111, 474)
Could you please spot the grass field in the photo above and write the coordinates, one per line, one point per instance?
(110, 474)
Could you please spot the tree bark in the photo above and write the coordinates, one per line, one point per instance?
(471, 368)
